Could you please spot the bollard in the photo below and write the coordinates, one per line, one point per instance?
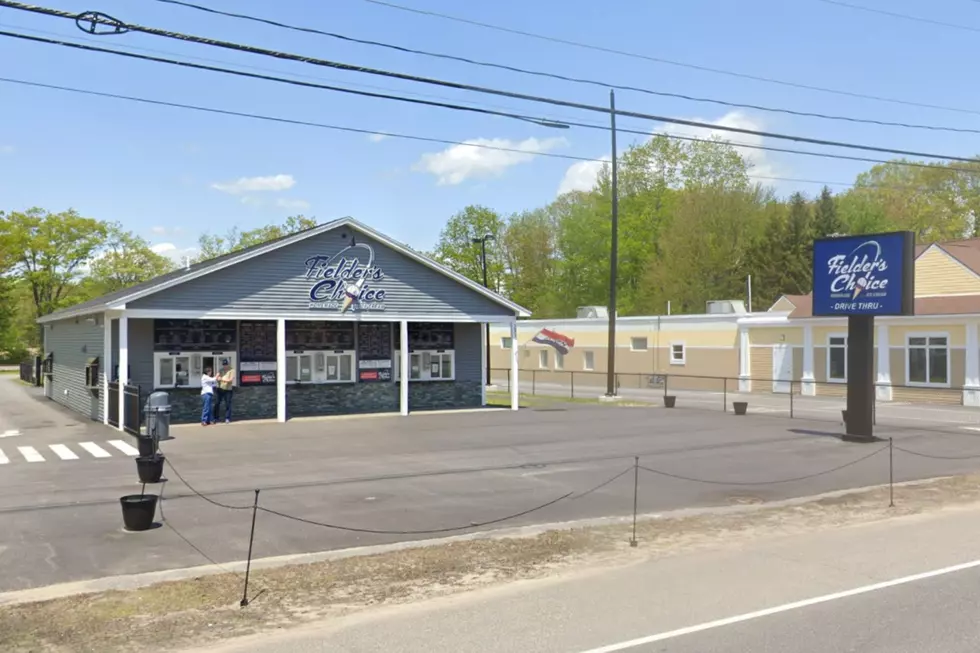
(636, 485)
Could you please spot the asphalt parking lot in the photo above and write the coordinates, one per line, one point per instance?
(60, 519)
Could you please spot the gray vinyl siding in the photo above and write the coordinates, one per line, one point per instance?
(276, 282)
(141, 354)
(469, 352)
(72, 342)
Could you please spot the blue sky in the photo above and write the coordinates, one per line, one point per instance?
(169, 174)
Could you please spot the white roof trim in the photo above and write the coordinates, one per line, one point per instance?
(316, 231)
(952, 258)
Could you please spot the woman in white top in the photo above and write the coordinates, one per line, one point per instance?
(207, 397)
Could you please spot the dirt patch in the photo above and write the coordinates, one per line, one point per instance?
(171, 615)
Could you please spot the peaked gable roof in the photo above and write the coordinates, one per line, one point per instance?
(118, 299)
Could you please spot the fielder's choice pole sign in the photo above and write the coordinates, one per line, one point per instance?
(872, 274)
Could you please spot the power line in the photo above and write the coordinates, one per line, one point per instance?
(669, 62)
(389, 134)
(895, 14)
(119, 27)
(566, 78)
(445, 105)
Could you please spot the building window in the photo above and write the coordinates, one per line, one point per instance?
(428, 365)
(559, 360)
(837, 358)
(543, 359)
(183, 369)
(678, 353)
(320, 367)
(638, 344)
(506, 343)
(927, 360)
(589, 364)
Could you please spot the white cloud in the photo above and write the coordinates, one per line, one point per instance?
(457, 163)
(173, 252)
(582, 175)
(376, 138)
(293, 205)
(256, 184)
(159, 231)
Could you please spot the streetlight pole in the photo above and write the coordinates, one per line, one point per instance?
(613, 257)
(486, 284)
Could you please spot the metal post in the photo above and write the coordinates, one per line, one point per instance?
(251, 539)
(534, 382)
(486, 285)
(724, 395)
(636, 485)
(791, 399)
(573, 384)
(891, 475)
(613, 255)
(666, 379)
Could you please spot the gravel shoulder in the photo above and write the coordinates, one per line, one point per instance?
(204, 610)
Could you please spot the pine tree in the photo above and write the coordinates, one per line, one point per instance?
(825, 220)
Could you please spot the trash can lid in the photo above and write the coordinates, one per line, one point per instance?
(158, 399)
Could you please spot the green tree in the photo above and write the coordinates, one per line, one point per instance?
(213, 246)
(126, 261)
(457, 250)
(50, 251)
(825, 221)
(530, 248)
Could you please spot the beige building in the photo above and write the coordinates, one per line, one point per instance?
(933, 356)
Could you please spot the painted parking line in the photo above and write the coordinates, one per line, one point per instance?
(3, 458)
(63, 452)
(786, 607)
(125, 447)
(30, 454)
(94, 449)
(10, 433)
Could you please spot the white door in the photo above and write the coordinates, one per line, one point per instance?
(782, 368)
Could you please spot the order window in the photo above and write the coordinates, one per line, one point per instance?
(320, 367)
(184, 369)
(428, 365)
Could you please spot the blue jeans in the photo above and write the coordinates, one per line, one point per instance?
(207, 412)
(223, 396)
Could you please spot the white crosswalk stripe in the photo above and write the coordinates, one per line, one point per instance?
(125, 447)
(63, 452)
(3, 458)
(30, 454)
(94, 449)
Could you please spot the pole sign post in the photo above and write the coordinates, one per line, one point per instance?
(861, 277)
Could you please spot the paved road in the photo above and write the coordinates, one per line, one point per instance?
(919, 416)
(756, 597)
(60, 520)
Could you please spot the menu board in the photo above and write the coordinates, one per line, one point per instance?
(257, 341)
(320, 335)
(374, 351)
(257, 373)
(431, 336)
(193, 335)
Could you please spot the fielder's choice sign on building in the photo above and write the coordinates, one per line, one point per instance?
(864, 275)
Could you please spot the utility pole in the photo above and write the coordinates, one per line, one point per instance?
(613, 256)
(486, 284)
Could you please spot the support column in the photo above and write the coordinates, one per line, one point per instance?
(123, 367)
(106, 365)
(484, 330)
(883, 379)
(281, 370)
(406, 370)
(971, 385)
(744, 361)
(860, 378)
(515, 375)
(809, 387)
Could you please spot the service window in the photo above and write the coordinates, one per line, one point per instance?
(175, 369)
(320, 366)
(428, 365)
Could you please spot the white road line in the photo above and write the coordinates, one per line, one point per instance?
(30, 454)
(94, 449)
(10, 433)
(3, 458)
(63, 452)
(125, 447)
(720, 623)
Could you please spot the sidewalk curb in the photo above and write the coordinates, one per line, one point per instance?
(136, 581)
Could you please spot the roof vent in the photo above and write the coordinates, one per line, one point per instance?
(591, 312)
(725, 306)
